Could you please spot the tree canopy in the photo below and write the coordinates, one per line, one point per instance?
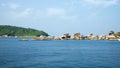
(20, 31)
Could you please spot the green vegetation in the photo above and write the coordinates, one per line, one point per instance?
(19, 31)
(117, 34)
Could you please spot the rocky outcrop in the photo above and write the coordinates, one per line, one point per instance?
(44, 38)
(41, 38)
(58, 38)
(66, 36)
(75, 36)
(78, 36)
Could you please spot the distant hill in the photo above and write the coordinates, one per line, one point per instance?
(20, 31)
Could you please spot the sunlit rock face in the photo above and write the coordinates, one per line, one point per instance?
(102, 37)
(75, 36)
(41, 38)
(50, 37)
(112, 37)
(57, 38)
(90, 37)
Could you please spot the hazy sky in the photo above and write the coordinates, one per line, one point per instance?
(57, 17)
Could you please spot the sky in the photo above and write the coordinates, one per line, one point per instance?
(57, 17)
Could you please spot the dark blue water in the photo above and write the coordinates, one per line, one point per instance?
(59, 54)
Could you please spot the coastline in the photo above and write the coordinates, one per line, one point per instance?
(76, 36)
(63, 38)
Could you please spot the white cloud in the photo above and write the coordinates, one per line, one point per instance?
(101, 2)
(11, 5)
(14, 5)
(26, 12)
(20, 15)
(55, 11)
(37, 14)
(59, 13)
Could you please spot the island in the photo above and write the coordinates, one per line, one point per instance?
(14, 31)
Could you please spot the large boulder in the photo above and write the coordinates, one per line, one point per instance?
(76, 36)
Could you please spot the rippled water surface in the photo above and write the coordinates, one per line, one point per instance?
(59, 54)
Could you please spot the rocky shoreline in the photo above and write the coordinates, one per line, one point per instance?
(78, 36)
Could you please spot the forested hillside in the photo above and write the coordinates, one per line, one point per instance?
(19, 31)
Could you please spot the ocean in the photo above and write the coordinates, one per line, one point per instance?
(59, 53)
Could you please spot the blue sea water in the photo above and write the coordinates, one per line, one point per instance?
(59, 54)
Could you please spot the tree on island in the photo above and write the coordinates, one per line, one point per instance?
(117, 34)
(111, 32)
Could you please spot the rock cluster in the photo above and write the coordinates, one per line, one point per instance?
(78, 36)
